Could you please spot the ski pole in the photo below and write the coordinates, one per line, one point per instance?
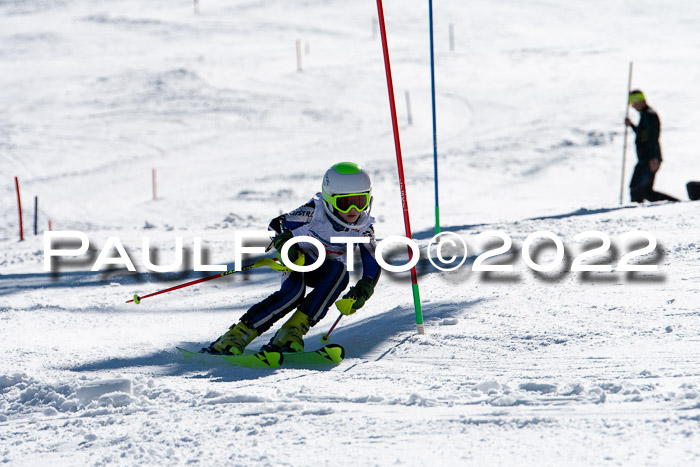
(344, 305)
(258, 263)
(624, 147)
(324, 338)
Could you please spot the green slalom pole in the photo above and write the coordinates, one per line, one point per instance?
(437, 220)
(399, 163)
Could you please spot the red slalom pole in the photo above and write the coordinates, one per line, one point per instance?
(399, 163)
(19, 206)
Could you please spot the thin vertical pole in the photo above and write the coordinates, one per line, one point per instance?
(435, 151)
(624, 147)
(399, 163)
(452, 37)
(408, 108)
(19, 207)
(298, 55)
(36, 213)
(153, 178)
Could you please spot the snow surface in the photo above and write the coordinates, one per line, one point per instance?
(521, 368)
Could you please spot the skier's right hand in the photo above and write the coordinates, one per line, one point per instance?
(360, 292)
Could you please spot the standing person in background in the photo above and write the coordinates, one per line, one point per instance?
(648, 131)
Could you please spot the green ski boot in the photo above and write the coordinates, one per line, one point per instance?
(290, 337)
(234, 341)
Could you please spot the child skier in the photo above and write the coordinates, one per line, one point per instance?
(341, 210)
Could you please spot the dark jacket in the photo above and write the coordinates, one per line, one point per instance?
(648, 131)
(305, 214)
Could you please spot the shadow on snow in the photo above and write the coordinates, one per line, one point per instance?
(366, 339)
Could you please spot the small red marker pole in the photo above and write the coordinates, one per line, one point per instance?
(36, 213)
(153, 177)
(19, 207)
(298, 55)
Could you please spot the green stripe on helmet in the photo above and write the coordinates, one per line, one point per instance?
(347, 168)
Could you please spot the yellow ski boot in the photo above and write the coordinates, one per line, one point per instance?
(234, 341)
(290, 337)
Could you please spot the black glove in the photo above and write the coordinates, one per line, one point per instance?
(360, 292)
(279, 242)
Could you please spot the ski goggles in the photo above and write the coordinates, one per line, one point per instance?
(344, 203)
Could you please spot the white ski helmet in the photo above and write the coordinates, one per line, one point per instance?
(345, 186)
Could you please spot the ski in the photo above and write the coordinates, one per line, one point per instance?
(260, 360)
(328, 355)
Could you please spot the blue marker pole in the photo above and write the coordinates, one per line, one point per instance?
(432, 87)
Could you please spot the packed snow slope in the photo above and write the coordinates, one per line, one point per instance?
(519, 367)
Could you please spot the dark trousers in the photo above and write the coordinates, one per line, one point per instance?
(328, 282)
(642, 185)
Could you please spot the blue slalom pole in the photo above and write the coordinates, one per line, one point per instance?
(432, 87)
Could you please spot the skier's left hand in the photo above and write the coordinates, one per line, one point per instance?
(360, 292)
(279, 242)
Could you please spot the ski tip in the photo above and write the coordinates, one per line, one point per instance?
(333, 352)
(185, 353)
